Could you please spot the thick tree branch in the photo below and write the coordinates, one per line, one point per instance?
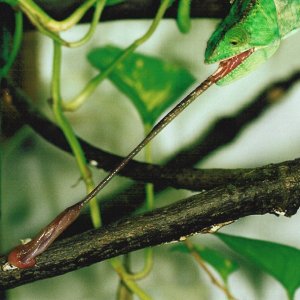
(252, 191)
(279, 194)
(134, 9)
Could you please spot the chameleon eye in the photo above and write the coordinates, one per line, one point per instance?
(237, 36)
(233, 42)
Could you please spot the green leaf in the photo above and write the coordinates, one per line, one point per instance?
(280, 261)
(218, 261)
(183, 16)
(151, 83)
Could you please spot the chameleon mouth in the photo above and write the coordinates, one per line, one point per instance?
(228, 65)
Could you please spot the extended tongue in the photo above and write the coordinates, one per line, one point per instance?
(228, 65)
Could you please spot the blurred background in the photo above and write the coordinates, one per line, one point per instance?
(40, 180)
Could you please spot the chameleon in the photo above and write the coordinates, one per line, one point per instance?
(247, 37)
(252, 24)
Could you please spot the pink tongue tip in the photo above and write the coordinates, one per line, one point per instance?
(226, 66)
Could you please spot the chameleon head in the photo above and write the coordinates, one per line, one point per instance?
(250, 24)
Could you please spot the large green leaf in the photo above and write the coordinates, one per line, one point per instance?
(280, 261)
(151, 83)
(223, 265)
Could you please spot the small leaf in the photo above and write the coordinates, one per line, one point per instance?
(151, 83)
(221, 264)
(280, 261)
(183, 16)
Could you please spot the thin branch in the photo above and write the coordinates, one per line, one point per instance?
(176, 173)
(206, 269)
(225, 130)
(204, 212)
(187, 178)
(134, 9)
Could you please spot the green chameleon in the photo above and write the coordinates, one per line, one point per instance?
(252, 24)
(247, 37)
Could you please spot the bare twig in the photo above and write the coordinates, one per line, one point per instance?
(203, 265)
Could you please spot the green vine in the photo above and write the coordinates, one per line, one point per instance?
(127, 280)
(49, 27)
(40, 18)
(69, 133)
(54, 36)
(149, 191)
(16, 44)
(91, 86)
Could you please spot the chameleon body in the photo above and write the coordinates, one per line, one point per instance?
(288, 15)
(252, 24)
(247, 37)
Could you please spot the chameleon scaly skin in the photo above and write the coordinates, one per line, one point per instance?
(288, 15)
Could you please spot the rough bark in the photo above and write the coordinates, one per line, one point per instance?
(279, 194)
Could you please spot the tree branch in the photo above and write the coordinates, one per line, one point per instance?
(279, 194)
(186, 178)
(177, 172)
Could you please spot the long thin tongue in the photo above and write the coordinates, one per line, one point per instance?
(225, 67)
(41, 242)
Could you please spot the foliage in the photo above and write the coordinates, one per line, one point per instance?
(280, 261)
(150, 83)
(223, 265)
